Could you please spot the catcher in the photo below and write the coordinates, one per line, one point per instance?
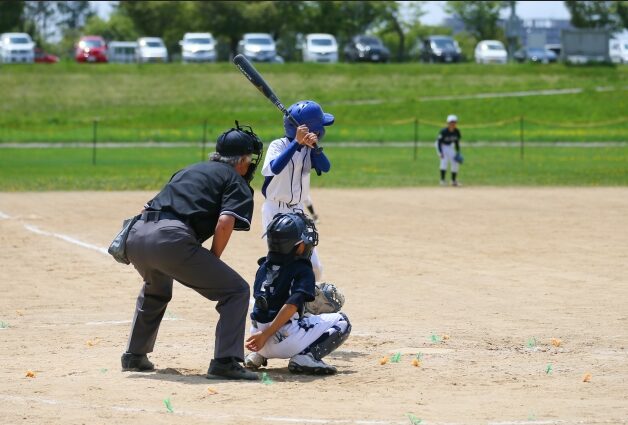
(289, 320)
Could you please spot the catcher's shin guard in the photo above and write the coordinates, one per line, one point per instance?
(328, 342)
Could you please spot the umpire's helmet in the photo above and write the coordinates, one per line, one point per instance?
(238, 141)
(286, 231)
(309, 113)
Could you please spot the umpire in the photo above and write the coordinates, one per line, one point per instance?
(211, 198)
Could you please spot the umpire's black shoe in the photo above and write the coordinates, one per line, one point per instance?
(230, 369)
(136, 363)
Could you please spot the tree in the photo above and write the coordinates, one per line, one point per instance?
(611, 15)
(119, 27)
(39, 15)
(73, 14)
(479, 17)
(392, 21)
(11, 15)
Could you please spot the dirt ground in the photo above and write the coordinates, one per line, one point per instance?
(475, 281)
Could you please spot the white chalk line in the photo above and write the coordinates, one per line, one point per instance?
(279, 419)
(66, 238)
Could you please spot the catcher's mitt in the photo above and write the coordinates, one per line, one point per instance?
(328, 299)
(459, 158)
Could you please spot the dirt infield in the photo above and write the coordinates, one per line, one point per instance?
(476, 280)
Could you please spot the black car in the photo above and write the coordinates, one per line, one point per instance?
(366, 48)
(440, 48)
(535, 54)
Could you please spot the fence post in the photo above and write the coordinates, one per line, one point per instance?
(416, 135)
(94, 138)
(204, 140)
(521, 137)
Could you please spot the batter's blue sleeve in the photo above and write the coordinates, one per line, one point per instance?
(278, 164)
(320, 162)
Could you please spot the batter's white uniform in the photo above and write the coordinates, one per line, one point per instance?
(287, 190)
(449, 152)
(298, 334)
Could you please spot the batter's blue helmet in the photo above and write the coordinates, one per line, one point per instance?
(309, 113)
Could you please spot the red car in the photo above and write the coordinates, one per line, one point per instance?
(42, 57)
(91, 48)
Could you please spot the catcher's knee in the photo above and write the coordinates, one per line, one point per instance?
(332, 339)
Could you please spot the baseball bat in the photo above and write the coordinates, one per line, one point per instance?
(249, 71)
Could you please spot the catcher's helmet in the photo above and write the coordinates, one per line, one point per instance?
(309, 113)
(241, 141)
(286, 231)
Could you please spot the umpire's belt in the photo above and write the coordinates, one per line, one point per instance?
(161, 215)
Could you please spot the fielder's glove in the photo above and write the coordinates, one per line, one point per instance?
(328, 299)
(459, 158)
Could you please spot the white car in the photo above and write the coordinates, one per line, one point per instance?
(490, 51)
(151, 49)
(320, 48)
(618, 50)
(16, 47)
(258, 47)
(198, 47)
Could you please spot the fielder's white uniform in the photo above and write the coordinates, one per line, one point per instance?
(298, 334)
(285, 192)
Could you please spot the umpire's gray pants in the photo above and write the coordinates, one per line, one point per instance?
(165, 250)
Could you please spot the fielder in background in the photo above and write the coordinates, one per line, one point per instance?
(284, 287)
(448, 149)
(289, 161)
(211, 198)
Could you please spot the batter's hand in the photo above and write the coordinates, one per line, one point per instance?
(256, 341)
(304, 137)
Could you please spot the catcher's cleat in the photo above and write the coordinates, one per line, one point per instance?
(307, 364)
(231, 370)
(136, 363)
(255, 361)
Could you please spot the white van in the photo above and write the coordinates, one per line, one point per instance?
(151, 49)
(16, 47)
(122, 51)
(320, 48)
(618, 50)
(258, 47)
(490, 51)
(198, 47)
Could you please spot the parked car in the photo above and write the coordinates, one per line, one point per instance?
(320, 48)
(122, 51)
(91, 48)
(366, 48)
(440, 48)
(16, 47)
(535, 54)
(151, 49)
(490, 51)
(618, 50)
(42, 57)
(198, 47)
(258, 47)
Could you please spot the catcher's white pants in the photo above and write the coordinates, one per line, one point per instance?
(298, 334)
(270, 209)
(449, 152)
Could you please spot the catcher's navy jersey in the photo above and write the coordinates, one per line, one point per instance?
(279, 283)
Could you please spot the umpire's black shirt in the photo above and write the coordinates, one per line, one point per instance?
(202, 192)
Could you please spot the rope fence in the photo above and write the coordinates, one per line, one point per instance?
(515, 130)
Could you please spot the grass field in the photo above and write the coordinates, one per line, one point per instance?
(170, 102)
(124, 169)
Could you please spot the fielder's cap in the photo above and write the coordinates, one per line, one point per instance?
(452, 118)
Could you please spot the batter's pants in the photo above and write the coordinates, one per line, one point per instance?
(165, 250)
(270, 209)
